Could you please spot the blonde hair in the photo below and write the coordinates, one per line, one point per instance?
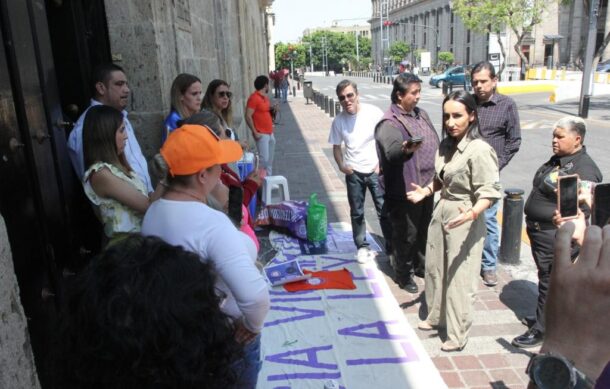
(181, 83)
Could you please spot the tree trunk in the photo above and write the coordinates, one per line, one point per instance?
(503, 51)
(600, 51)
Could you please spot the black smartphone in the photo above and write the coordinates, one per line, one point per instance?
(567, 196)
(601, 205)
(416, 139)
(236, 195)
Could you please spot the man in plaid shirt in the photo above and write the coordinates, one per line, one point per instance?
(499, 125)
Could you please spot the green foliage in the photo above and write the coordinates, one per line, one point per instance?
(492, 16)
(399, 50)
(340, 49)
(418, 54)
(446, 57)
(284, 52)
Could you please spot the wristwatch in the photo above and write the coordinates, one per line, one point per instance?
(554, 371)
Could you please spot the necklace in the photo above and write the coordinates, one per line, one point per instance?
(200, 199)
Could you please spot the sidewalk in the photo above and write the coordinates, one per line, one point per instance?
(304, 157)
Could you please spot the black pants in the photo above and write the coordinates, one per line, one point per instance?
(542, 242)
(409, 234)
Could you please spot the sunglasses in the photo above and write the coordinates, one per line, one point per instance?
(226, 94)
(349, 96)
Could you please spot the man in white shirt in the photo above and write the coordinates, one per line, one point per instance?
(355, 127)
(110, 88)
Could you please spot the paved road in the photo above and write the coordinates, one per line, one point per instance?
(537, 117)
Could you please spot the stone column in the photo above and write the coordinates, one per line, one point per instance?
(17, 368)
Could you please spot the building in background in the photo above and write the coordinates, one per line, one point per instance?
(360, 30)
(430, 25)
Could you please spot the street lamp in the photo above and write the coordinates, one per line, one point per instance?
(310, 56)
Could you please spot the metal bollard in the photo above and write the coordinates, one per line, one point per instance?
(326, 109)
(294, 91)
(512, 224)
(389, 79)
(337, 108)
(331, 108)
(445, 88)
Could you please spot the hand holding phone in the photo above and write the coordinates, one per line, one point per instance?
(415, 140)
(567, 196)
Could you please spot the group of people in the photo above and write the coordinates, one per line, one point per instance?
(199, 204)
(453, 241)
(209, 288)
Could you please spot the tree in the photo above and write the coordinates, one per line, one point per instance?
(446, 57)
(399, 50)
(340, 49)
(492, 16)
(285, 52)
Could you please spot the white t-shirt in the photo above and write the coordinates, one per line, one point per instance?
(210, 234)
(358, 133)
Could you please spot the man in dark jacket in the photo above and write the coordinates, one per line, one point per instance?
(406, 145)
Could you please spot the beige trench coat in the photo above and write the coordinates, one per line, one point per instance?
(468, 172)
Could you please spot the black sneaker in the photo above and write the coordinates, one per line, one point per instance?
(532, 338)
(410, 285)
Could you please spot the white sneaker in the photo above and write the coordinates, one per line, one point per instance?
(364, 255)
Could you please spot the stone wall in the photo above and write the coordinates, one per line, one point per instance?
(17, 368)
(156, 40)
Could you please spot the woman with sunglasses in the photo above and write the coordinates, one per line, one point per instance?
(217, 99)
(185, 98)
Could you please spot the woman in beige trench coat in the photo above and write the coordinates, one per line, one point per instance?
(468, 179)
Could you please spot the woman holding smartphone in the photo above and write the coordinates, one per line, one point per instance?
(569, 157)
(467, 176)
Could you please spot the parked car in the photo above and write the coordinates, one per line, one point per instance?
(603, 67)
(451, 76)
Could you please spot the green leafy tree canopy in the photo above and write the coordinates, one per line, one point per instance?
(446, 57)
(399, 50)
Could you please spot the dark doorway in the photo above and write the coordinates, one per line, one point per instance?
(39, 81)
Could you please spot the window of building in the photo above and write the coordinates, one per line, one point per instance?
(467, 55)
(468, 36)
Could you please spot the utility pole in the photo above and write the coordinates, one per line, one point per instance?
(587, 80)
(357, 51)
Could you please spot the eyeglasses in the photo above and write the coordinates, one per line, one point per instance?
(349, 96)
(226, 94)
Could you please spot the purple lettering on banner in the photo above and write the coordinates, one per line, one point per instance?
(308, 314)
(376, 294)
(381, 332)
(286, 296)
(369, 275)
(410, 356)
(304, 376)
(339, 262)
(282, 387)
(310, 361)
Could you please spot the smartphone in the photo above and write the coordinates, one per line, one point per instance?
(601, 205)
(236, 195)
(416, 139)
(567, 196)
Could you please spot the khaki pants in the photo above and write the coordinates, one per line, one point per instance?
(453, 262)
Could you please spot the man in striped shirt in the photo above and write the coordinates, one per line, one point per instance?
(499, 125)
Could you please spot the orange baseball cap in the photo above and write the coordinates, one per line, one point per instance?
(190, 148)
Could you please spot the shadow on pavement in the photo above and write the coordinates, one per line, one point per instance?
(519, 297)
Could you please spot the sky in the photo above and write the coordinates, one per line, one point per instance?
(292, 17)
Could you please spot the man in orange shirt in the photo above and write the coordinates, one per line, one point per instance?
(258, 118)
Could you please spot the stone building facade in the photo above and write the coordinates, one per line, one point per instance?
(561, 35)
(155, 41)
(429, 25)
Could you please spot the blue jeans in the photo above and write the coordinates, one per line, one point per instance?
(357, 183)
(249, 366)
(492, 239)
(284, 94)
